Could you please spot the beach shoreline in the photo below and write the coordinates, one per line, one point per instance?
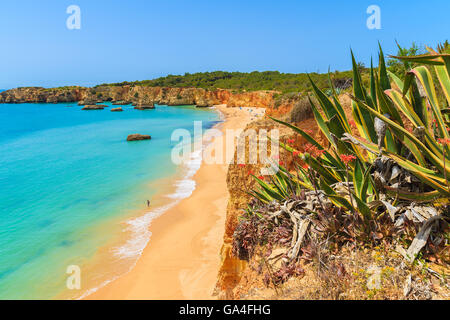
(182, 258)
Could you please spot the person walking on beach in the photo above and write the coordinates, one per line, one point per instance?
(148, 203)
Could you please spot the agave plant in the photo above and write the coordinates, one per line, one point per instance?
(400, 123)
(424, 149)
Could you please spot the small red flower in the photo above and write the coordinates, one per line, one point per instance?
(444, 141)
(308, 146)
(352, 123)
(250, 172)
(281, 163)
(261, 178)
(291, 141)
(305, 166)
(320, 152)
(347, 158)
(241, 165)
(295, 153)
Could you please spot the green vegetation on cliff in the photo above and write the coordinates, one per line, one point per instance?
(240, 81)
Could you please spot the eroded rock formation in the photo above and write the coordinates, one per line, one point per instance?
(138, 137)
(93, 107)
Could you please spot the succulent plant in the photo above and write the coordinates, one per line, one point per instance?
(402, 150)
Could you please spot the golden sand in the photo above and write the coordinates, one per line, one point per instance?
(182, 258)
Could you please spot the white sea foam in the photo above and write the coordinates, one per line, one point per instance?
(139, 227)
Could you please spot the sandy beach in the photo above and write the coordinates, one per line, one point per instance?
(182, 258)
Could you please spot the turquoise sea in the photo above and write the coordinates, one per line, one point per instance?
(70, 185)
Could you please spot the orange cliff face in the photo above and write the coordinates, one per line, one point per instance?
(233, 278)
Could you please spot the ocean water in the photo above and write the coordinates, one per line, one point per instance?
(68, 178)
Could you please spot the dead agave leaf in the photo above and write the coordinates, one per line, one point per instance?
(421, 238)
(391, 209)
(408, 287)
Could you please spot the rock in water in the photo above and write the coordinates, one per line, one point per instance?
(116, 109)
(145, 107)
(93, 107)
(137, 137)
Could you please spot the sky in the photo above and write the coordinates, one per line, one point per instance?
(144, 39)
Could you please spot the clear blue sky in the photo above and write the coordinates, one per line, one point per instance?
(137, 39)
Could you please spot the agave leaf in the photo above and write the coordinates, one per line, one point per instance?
(327, 107)
(342, 115)
(358, 123)
(404, 106)
(367, 186)
(329, 176)
(396, 80)
(415, 151)
(358, 89)
(384, 79)
(358, 177)
(335, 128)
(321, 121)
(333, 90)
(273, 193)
(373, 92)
(363, 208)
(304, 176)
(260, 196)
(365, 121)
(424, 59)
(413, 196)
(385, 106)
(426, 80)
(436, 182)
(279, 186)
(444, 79)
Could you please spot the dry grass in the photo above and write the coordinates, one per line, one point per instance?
(348, 274)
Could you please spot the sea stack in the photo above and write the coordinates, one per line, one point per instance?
(138, 137)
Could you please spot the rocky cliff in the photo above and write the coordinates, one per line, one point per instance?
(278, 106)
(140, 95)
